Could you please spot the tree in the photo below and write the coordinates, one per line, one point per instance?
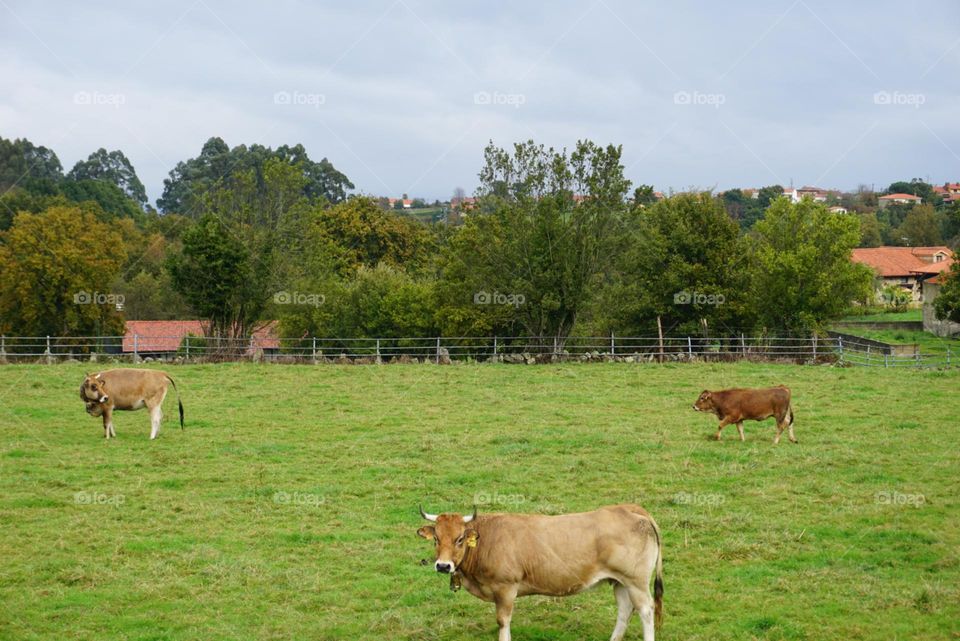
(359, 233)
(532, 250)
(114, 168)
(214, 274)
(870, 230)
(921, 227)
(217, 166)
(802, 275)
(644, 195)
(947, 303)
(58, 272)
(684, 264)
(36, 169)
(112, 202)
(917, 187)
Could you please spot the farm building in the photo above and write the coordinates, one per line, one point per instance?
(905, 267)
(164, 338)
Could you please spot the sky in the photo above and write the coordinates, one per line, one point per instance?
(403, 95)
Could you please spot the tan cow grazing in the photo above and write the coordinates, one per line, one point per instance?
(127, 389)
(499, 557)
(739, 405)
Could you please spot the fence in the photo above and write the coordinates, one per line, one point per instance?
(136, 348)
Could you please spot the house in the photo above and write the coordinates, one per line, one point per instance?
(407, 203)
(837, 209)
(165, 337)
(815, 193)
(899, 199)
(905, 267)
(792, 194)
(950, 192)
(944, 328)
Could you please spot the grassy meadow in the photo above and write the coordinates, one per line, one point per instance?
(287, 509)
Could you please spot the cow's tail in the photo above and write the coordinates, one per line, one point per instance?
(790, 416)
(658, 580)
(179, 402)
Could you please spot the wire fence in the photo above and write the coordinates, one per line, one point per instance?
(834, 348)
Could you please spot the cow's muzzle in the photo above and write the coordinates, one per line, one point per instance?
(104, 399)
(443, 567)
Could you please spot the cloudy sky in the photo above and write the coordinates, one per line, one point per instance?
(402, 95)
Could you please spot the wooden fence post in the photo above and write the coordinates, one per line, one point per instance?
(613, 345)
(660, 337)
(438, 350)
(689, 348)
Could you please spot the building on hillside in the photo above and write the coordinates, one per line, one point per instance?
(792, 194)
(163, 338)
(407, 203)
(944, 328)
(905, 267)
(950, 192)
(837, 209)
(814, 193)
(899, 199)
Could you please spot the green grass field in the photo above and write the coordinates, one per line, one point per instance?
(287, 509)
(886, 317)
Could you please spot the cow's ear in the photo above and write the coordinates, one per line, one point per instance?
(705, 393)
(427, 532)
(470, 537)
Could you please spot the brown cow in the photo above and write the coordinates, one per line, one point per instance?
(127, 389)
(739, 405)
(499, 557)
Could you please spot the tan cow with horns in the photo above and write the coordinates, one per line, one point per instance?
(499, 557)
(127, 389)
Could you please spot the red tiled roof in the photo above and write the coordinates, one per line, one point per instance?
(899, 197)
(901, 261)
(166, 335)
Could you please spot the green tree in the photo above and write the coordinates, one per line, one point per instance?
(358, 232)
(58, 272)
(802, 275)
(112, 167)
(644, 196)
(531, 240)
(112, 202)
(947, 303)
(870, 230)
(921, 227)
(685, 264)
(36, 169)
(218, 167)
(214, 274)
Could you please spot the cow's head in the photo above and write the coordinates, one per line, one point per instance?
(451, 538)
(94, 389)
(704, 402)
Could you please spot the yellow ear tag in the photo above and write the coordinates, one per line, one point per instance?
(472, 541)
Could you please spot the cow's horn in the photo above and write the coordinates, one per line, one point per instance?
(429, 517)
(467, 519)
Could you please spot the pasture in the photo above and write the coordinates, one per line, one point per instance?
(287, 509)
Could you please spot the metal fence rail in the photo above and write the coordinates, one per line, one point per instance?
(512, 349)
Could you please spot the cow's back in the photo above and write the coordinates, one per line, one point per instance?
(563, 554)
(128, 386)
(752, 403)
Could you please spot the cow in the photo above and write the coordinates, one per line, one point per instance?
(127, 389)
(499, 557)
(739, 405)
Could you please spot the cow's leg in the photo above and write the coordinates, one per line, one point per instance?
(504, 601)
(723, 424)
(790, 426)
(108, 423)
(740, 429)
(624, 610)
(780, 427)
(156, 415)
(643, 603)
